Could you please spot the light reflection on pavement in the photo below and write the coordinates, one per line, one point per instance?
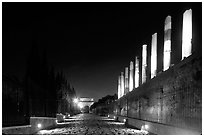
(89, 124)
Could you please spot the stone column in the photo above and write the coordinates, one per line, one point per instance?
(136, 72)
(122, 84)
(154, 55)
(131, 73)
(187, 34)
(119, 87)
(167, 43)
(126, 81)
(144, 63)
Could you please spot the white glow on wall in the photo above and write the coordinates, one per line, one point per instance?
(167, 43)
(126, 80)
(146, 127)
(80, 105)
(136, 72)
(39, 125)
(187, 34)
(131, 77)
(119, 87)
(154, 55)
(122, 85)
(114, 123)
(144, 63)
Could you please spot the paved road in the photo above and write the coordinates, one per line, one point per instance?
(89, 124)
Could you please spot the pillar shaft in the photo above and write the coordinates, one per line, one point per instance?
(119, 87)
(144, 63)
(187, 34)
(136, 72)
(131, 73)
(154, 55)
(122, 84)
(126, 81)
(167, 43)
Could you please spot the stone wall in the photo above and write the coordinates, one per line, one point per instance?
(36, 124)
(17, 130)
(172, 98)
(45, 122)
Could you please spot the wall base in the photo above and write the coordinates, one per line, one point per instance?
(156, 128)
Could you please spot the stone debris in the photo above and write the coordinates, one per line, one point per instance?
(89, 124)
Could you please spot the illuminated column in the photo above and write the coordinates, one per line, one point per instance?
(136, 72)
(144, 63)
(167, 43)
(121, 94)
(154, 55)
(122, 84)
(187, 34)
(131, 77)
(119, 87)
(126, 80)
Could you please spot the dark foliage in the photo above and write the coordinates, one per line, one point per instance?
(43, 92)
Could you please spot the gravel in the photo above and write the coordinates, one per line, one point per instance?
(89, 124)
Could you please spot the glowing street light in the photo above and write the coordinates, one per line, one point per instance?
(124, 120)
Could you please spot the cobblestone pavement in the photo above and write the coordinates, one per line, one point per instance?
(89, 124)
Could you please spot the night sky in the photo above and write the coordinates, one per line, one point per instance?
(91, 42)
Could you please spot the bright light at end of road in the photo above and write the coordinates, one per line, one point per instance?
(80, 105)
(75, 100)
